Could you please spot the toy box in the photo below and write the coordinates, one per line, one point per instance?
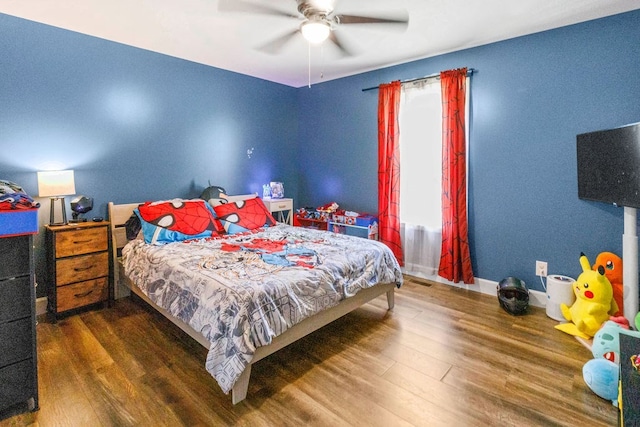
(343, 219)
(17, 222)
(365, 220)
(317, 224)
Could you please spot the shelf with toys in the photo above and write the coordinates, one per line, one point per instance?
(330, 217)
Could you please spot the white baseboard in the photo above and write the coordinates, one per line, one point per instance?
(489, 287)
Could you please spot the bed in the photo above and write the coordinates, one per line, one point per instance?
(246, 294)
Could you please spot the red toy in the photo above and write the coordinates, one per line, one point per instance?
(612, 264)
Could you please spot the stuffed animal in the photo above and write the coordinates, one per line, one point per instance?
(594, 302)
(329, 207)
(602, 372)
(606, 342)
(214, 194)
(612, 264)
(601, 375)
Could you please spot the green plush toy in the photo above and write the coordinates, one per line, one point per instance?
(594, 302)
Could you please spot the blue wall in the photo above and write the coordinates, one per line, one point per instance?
(531, 96)
(137, 125)
(134, 125)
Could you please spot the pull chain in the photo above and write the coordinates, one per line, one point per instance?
(309, 62)
(322, 61)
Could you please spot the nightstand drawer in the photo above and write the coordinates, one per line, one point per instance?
(15, 295)
(283, 205)
(81, 294)
(81, 241)
(15, 341)
(77, 269)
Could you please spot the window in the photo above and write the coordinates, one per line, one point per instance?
(420, 121)
(421, 154)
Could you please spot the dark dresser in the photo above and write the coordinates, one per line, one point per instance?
(18, 360)
(629, 398)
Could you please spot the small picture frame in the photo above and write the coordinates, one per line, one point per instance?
(277, 190)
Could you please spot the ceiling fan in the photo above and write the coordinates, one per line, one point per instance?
(319, 21)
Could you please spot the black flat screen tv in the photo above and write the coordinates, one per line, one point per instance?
(609, 166)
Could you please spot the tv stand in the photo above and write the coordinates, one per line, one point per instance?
(630, 264)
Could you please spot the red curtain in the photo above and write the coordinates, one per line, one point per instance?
(455, 260)
(389, 168)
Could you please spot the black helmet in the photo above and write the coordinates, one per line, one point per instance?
(513, 295)
(81, 204)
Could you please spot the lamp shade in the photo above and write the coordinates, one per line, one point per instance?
(56, 183)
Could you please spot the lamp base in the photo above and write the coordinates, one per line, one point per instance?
(52, 212)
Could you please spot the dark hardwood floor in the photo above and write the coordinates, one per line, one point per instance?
(443, 356)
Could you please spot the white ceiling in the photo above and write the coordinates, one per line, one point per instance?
(197, 31)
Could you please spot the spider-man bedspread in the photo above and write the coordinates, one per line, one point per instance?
(240, 291)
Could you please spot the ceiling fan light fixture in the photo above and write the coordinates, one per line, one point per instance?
(315, 31)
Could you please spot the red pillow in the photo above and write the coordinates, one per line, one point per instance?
(244, 215)
(175, 220)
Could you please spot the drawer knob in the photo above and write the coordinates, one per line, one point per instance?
(89, 267)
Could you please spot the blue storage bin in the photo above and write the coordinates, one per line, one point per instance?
(365, 220)
(18, 222)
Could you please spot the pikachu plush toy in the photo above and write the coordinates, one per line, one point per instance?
(594, 302)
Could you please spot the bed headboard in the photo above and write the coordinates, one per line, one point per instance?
(118, 216)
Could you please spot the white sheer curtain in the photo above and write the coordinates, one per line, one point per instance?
(420, 122)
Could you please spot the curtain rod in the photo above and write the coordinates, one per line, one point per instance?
(470, 71)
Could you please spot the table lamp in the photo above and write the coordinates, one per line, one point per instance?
(56, 185)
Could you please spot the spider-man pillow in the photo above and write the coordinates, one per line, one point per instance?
(244, 215)
(177, 220)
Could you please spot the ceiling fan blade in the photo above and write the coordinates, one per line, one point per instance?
(248, 7)
(354, 19)
(276, 45)
(336, 41)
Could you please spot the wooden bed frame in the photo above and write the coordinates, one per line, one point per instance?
(119, 214)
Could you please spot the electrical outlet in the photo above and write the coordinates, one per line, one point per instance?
(541, 268)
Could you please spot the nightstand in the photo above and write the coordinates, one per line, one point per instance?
(78, 266)
(281, 208)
